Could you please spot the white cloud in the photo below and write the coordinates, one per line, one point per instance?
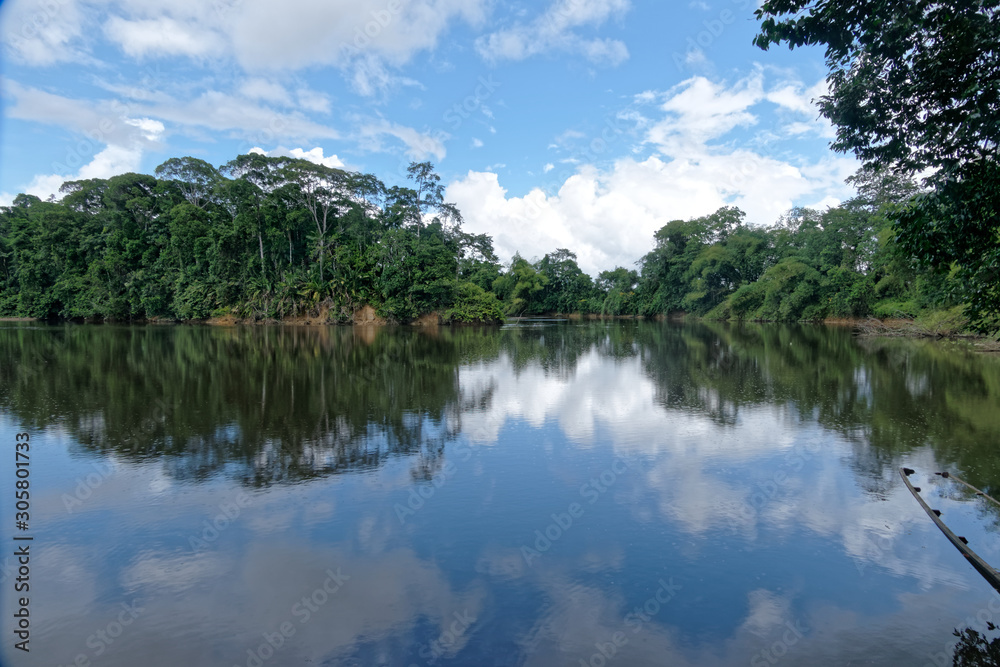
(311, 100)
(792, 96)
(151, 129)
(262, 89)
(554, 31)
(699, 110)
(419, 145)
(111, 161)
(212, 110)
(259, 34)
(120, 140)
(548, 167)
(112, 137)
(793, 99)
(369, 76)
(163, 36)
(314, 155)
(646, 96)
(41, 32)
(608, 215)
(98, 119)
(215, 110)
(695, 58)
(477, 143)
(363, 37)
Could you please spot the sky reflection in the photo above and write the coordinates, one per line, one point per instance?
(566, 494)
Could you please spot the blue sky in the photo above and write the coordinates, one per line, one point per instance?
(579, 124)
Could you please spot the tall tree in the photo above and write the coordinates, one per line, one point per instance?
(325, 193)
(256, 177)
(195, 178)
(430, 196)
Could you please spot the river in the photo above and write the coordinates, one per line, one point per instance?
(545, 493)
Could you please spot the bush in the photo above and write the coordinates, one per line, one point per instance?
(746, 301)
(895, 309)
(473, 304)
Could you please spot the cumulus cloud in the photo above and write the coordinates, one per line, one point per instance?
(555, 30)
(609, 217)
(365, 38)
(699, 110)
(608, 214)
(795, 99)
(314, 155)
(110, 161)
(110, 138)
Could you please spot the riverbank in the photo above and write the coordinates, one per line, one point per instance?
(365, 316)
(943, 325)
(936, 325)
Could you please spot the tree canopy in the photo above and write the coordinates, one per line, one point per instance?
(266, 238)
(915, 89)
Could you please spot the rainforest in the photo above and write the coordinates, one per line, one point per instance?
(271, 238)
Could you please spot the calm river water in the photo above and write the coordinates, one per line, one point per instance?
(546, 493)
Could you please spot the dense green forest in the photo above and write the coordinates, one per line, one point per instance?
(259, 238)
(266, 238)
(914, 90)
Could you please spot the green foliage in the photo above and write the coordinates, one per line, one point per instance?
(266, 238)
(262, 238)
(567, 288)
(526, 284)
(976, 650)
(474, 304)
(619, 287)
(915, 87)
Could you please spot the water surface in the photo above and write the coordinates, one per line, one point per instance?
(546, 493)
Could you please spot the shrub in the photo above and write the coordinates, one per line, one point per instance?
(473, 304)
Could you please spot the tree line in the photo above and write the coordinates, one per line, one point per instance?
(914, 88)
(261, 237)
(809, 265)
(273, 237)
